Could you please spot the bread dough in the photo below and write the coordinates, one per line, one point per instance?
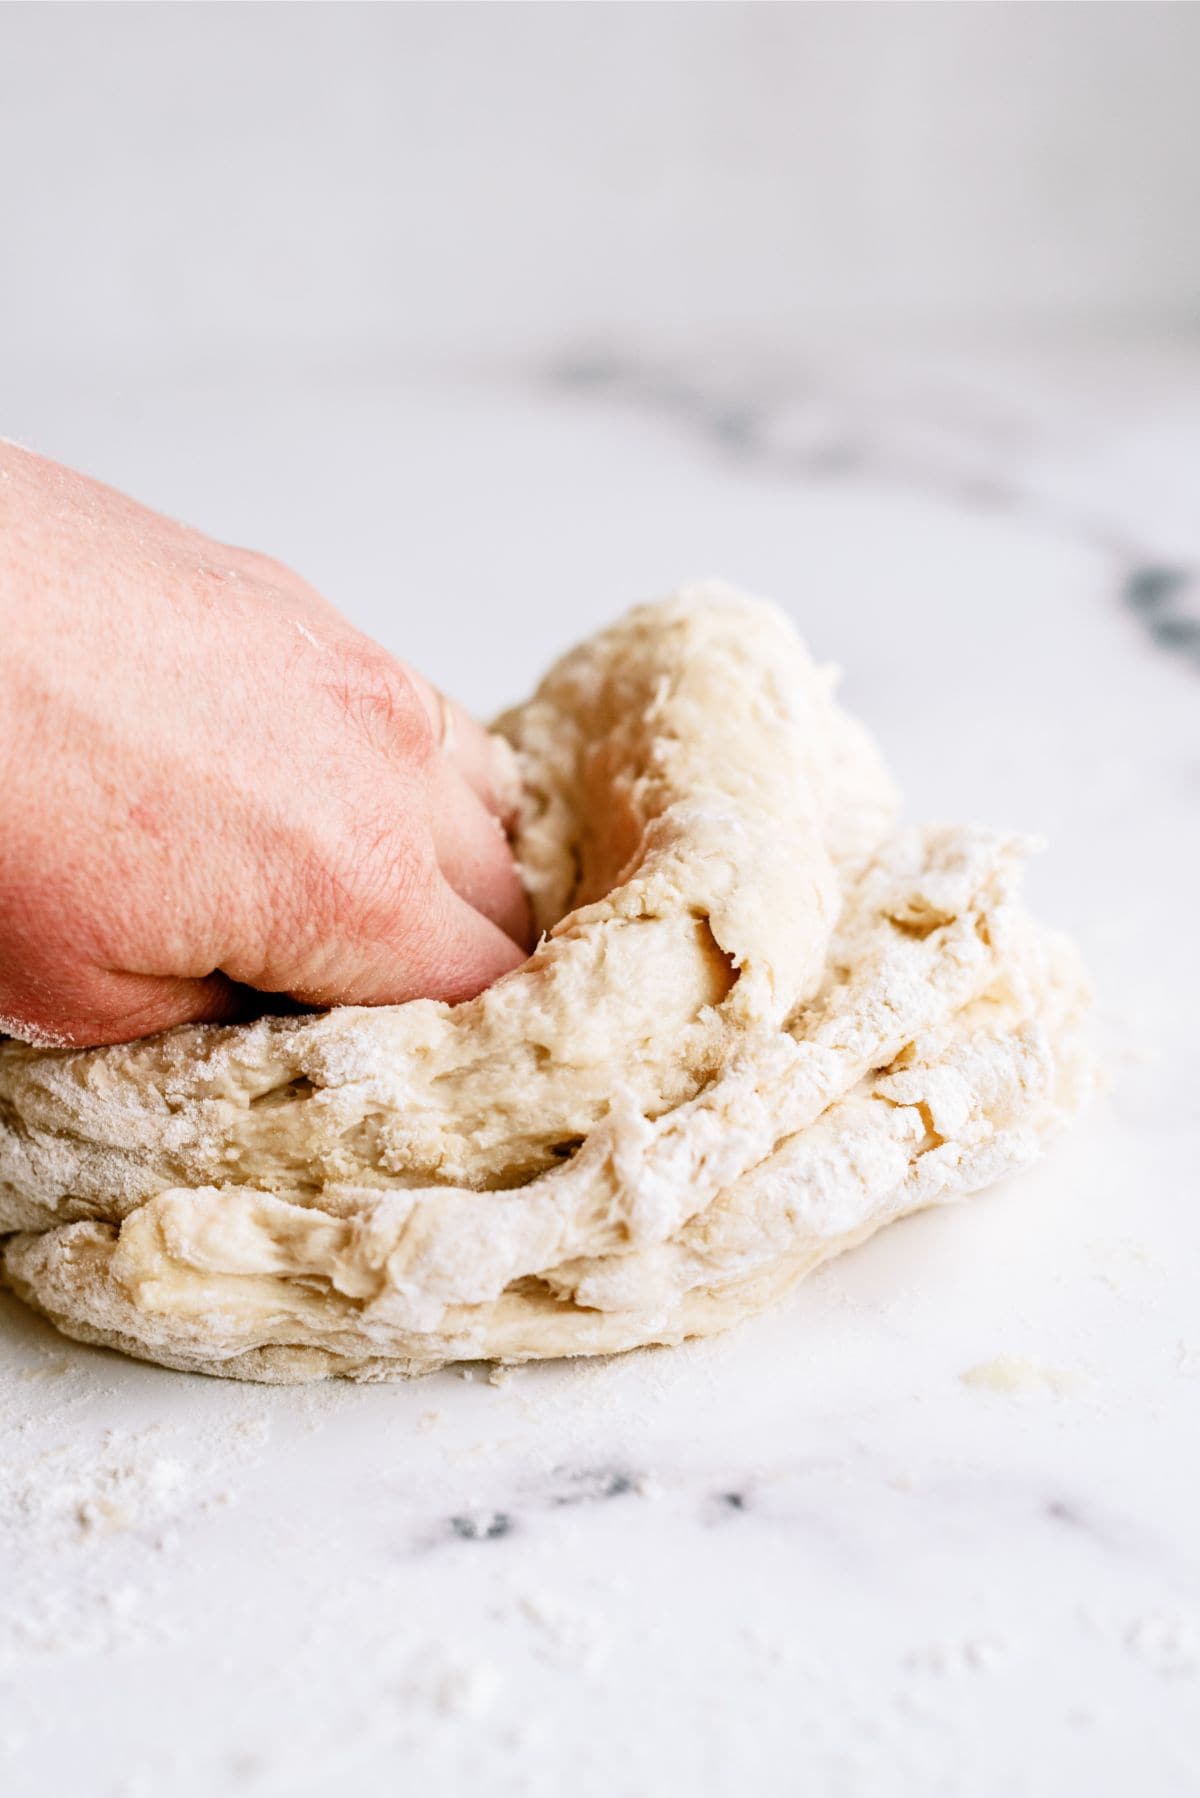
(761, 1023)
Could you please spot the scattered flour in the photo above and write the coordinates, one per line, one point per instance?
(88, 1514)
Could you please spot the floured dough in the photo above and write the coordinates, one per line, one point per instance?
(762, 1022)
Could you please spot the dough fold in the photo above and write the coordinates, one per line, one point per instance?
(761, 1022)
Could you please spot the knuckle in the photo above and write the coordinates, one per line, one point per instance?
(383, 704)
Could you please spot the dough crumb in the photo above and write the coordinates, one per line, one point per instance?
(1015, 1374)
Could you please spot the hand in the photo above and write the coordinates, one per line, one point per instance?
(209, 782)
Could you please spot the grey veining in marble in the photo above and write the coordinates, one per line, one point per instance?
(943, 439)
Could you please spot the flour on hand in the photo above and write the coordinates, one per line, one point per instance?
(761, 1023)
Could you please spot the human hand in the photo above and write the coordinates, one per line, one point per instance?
(210, 781)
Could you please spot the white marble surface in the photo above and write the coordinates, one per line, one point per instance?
(818, 1555)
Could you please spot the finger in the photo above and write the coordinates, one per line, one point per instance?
(486, 763)
(473, 854)
(439, 948)
(104, 1006)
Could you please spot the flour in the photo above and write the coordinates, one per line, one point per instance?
(87, 1522)
(126, 1482)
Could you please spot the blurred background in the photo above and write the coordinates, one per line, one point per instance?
(366, 185)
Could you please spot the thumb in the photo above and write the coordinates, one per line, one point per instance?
(102, 1005)
(422, 942)
(451, 952)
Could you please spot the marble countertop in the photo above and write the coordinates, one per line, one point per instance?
(931, 1525)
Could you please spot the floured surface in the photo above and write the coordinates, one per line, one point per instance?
(763, 1022)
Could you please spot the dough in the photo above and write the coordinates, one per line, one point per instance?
(761, 1023)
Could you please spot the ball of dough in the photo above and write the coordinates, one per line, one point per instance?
(760, 1023)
